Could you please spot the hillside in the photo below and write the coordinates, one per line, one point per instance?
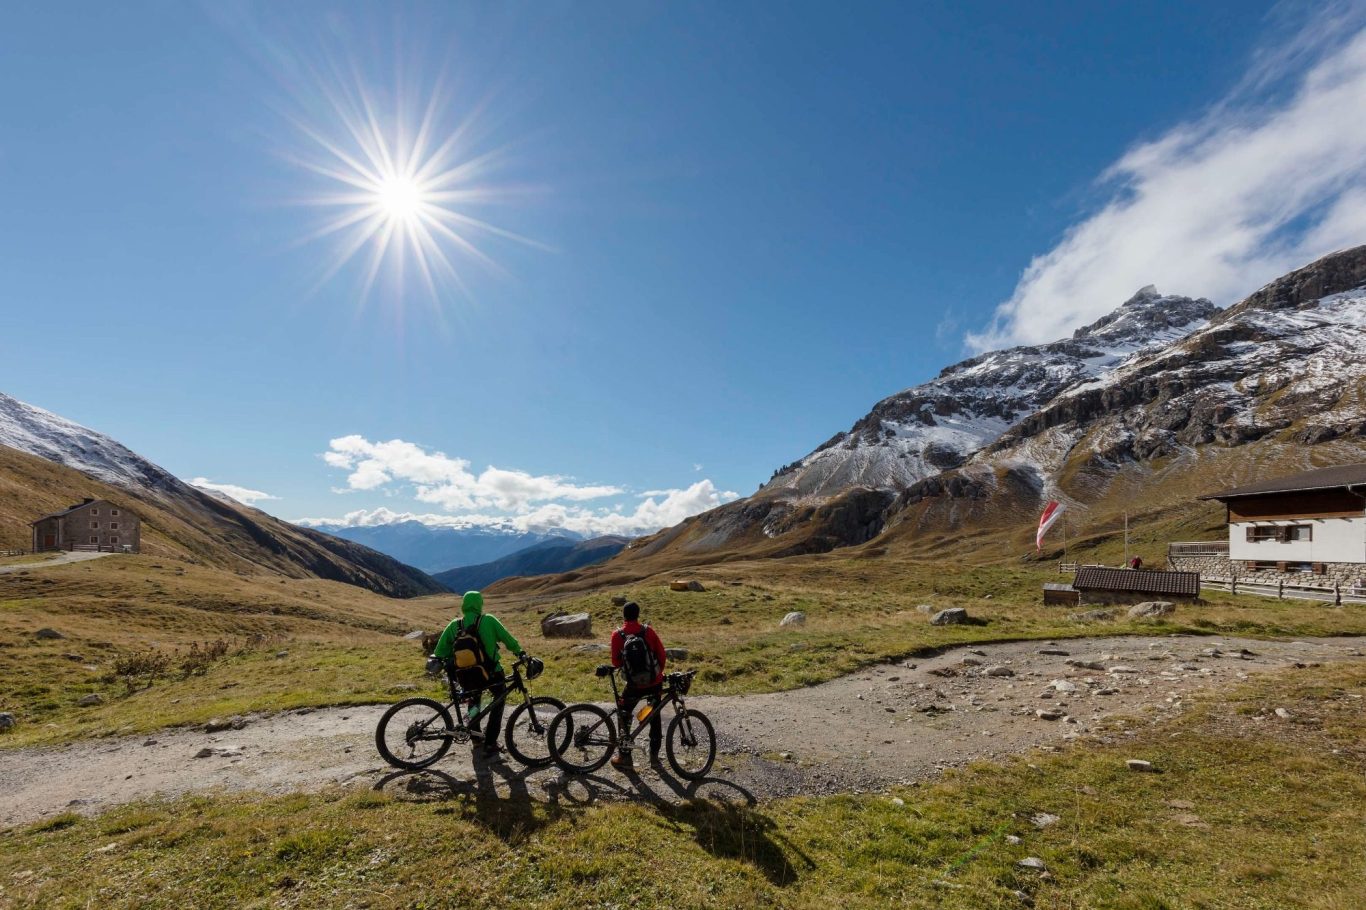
(547, 557)
(179, 521)
(1139, 412)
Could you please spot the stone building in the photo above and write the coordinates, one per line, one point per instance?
(1309, 528)
(95, 524)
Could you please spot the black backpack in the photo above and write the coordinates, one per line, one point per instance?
(638, 662)
(473, 666)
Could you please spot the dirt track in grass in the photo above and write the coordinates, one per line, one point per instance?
(887, 725)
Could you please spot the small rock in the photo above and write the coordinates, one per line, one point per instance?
(205, 752)
(785, 756)
(676, 653)
(1123, 669)
(795, 618)
(924, 608)
(150, 742)
(91, 700)
(978, 651)
(898, 801)
(76, 658)
(998, 671)
(1048, 714)
(1023, 898)
(1053, 652)
(281, 655)
(1063, 685)
(6, 721)
(619, 600)
(1152, 608)
(415, 635)
(1031, 862)
(1138, 764)
(217, 724)
(1283, 714)
(48, 634)
(1012, 840)
(971, 662)
(1042, 820)
(954, 616)
(590, 647)
(1107, 691)
(1085, 664)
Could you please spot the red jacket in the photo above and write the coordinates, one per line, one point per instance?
(633, 627)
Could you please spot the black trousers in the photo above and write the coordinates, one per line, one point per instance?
(494, 714)
(627, 706)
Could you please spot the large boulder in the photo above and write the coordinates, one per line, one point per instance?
(676, 653)
(954, 616)
(48, 634)
(1151, 608)
(6, 721)
(567, 625)
(795, 618)
(690, 585)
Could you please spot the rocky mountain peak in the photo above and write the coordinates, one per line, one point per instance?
(1148, 316)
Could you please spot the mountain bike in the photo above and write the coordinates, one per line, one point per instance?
(418, 732)
(583, 737)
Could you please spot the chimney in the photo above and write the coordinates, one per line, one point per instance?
(87, 501)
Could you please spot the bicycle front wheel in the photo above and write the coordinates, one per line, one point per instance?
(581, 738)
(414, 733)
(528, 731)
(691, 744)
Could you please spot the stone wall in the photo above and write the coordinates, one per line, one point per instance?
(1346, 574)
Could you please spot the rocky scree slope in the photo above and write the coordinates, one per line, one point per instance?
(182, 519)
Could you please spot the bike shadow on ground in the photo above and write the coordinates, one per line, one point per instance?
(722, 816)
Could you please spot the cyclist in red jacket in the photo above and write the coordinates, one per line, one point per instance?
(639, 654)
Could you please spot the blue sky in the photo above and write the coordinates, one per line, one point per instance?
(749, 222)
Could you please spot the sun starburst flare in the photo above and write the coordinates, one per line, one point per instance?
(399, 193)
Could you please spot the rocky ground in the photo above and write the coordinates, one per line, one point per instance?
(892, 724)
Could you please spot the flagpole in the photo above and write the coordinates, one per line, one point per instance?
(1126, 539)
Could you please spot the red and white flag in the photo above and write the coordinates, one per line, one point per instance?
(1051, 513)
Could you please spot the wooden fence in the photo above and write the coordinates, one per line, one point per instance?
(1198, 548)
(1336, 594)
(13, 552)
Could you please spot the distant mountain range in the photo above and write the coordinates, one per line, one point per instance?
(1165, 398)
(433, 549)
(544, 558)
(48, 462)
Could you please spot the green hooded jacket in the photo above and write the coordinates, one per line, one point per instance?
(491, 631)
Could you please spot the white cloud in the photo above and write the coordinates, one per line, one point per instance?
(241, 494)
(447, 482)
(1221, 205)
(661, 510)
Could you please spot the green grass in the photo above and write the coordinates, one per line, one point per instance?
(1270, 816)
(344, 645)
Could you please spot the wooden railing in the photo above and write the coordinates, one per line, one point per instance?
(1198, 548)
(1336, 594)
(13, 552)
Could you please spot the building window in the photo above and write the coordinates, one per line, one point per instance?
(94, 511)
(113, 525)
(114, 540)
(1280, 533)
(94, 540)
(94, 525)
(114, 512)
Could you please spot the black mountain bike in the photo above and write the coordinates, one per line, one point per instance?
(583, 737)
(418, 732)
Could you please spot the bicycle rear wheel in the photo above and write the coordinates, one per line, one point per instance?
(414, 733)
(582, 738)
(691, 744)
(528, 729)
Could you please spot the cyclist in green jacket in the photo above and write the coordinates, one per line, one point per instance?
(491, 634)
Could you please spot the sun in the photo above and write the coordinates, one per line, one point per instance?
(401, 199)
(400, 193)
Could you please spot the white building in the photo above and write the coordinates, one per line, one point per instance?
(1312, 523)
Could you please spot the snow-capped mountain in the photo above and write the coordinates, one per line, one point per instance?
(935, 426)
(51, 436)
(435, 549)
(178, 520)
(1161, 400)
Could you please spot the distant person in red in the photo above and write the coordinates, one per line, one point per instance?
(639, 654)
(1136, 562)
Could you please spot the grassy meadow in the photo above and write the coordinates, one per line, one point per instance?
(295, 642)
(1248, 813)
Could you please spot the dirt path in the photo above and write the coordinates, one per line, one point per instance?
(887, 725)
(59, 560)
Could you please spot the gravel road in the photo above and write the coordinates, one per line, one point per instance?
(887, 725)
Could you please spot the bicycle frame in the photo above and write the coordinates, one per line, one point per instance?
(669, 696)
(459, 696)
